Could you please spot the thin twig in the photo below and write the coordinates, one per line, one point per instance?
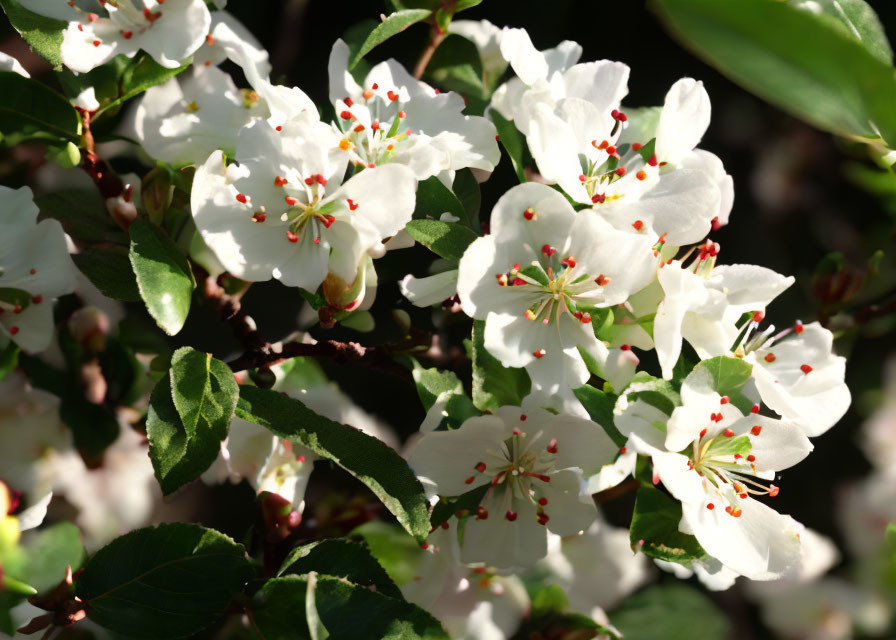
(436, 35)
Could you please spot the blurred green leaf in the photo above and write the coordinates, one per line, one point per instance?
(141, 74)
(169, 581)
(512, 141)
(800, 61)
(83, 216)
(858, 20)
(393, 548)
(9, 359)
(109, 269)
(164, 277)
(457, 65)
(31, 110)
(94, 427)
(670, 611)
(43, 35)
(49, 552)
(365, 457)
(392, 25)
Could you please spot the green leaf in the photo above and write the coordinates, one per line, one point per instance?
(888, 561)
(49, 552)
(9, 359)
(180, 455)
(431, 383)
(448, 506)
(393, 548)
(859, 21)
(169, 581)
(43, 35)
(670, 611)
(805, 63)
(724, 375)
(392, 25)
(144, 72)
(656, 392)
(83, 215)
(163, 275)
(494, 385)
(447, 239)
(346, 611)
(456, 65)
(512, 141)
(94, 427)
(655, 521)
(599, 406)
(204, 390)
(343, 559)
(466, 189)
(15, 297)
(109, 269)
(365, 457)
(32, 110)
(458, 408)
(434, 199)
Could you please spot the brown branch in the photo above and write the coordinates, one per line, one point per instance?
(435, 39)
(111, 188)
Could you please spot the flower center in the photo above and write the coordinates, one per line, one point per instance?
(378, 142)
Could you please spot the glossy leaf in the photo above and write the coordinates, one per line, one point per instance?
(43, 35)
(655, 521)
(434, 199)
(32, 110)
(446, 239)
(109, 269)
(140, 75)
(494, 385)
(163, 275)
(670, 611)
(392, 25)
(365, 457)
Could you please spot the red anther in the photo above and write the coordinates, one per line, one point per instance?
(548, 250)
(602, 280)
(97, 43)
(728, 433)
(598, 198)
(523, 417)
(328, 220)
(279, 127)
(569, 262)
(539, 353)
(773, 491)
(583, 317)
(481, 513)
(13, 330)
(743, 496)
(258, 216)
(756, 430)
(470, 480)
(636, 146)
(32, 271)
(375, 86)
(445, 525)
(625, 347)
(372, 165)
(611, 150)
(241, 197)
(751, 458)
(798, 327)
(638, 225)
(424, 545)
(620, 171)
(17, 309)
(510, 515)
(737, 456)
(358, 128)
(352, 204)
(652, 162)
(769, 357)
(641, 175)
(402, 114)
(37, 299)
(347, 115)
(758, 316)
(208, 63)
(715, 417)
(348, 101)
(552, 446)
(210, 40)
(517, 432)
(291, 201)
(724, 400)
(279, 182)
(319, 179)
(543, 518)
(375, 125)
(291, 236)
(309, 180)
(805, 369)
(529, 214)
(716, 225)
(703, 433)
(583, 177)
(542, 501)
(480, 467)
(92, 17)
(710, 506)
(127, 34)
(618, 115)
(518, 281)
(392, 95)
(754, 408)
(317, 241)
(622, 450)
(729, 509)
(368, 94)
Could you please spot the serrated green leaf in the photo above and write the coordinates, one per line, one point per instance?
(32, 110)
(494, 385)
(109, 269)
(858, 20)
(431, 383)
(434, 199)
(599, 406)
(512, 141)
(804, 62)
(189, 415)
(655, 521)
(670, 611)
(447, 239)
(164, 277)
(43, 35)
(393, 548)
(365, 457)
(343, 559)
(169, 581)
(392, 25)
